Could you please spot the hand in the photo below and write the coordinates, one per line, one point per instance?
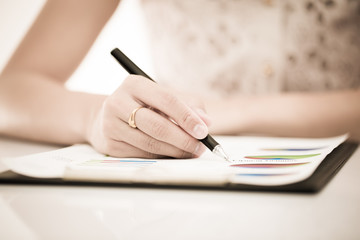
(156, 135)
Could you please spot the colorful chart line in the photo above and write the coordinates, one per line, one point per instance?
(261, 174)
(291, 149)
(282, 157)
(286, 165)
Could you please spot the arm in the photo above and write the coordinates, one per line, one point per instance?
(289, 114)
(34, 104)
(33, 100)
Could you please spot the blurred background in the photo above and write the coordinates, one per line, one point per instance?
(99, 72)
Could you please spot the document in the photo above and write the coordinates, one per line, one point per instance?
(265, 161)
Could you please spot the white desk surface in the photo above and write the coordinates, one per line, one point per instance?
(83, 212)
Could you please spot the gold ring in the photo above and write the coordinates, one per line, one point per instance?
(132, 117)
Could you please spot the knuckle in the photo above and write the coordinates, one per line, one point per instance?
(159, 129)
(188, 145)
(125, 84)
(130, 82)
(153, 145)
(169, 99)
(184, 154)
(187, 119)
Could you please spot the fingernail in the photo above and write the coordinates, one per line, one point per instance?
(200, 149)
(200, 131)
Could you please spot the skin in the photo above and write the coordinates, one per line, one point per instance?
(324, 114)
(35, 105)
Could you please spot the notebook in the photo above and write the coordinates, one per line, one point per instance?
(257, 163)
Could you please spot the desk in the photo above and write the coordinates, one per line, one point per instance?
(84, 212)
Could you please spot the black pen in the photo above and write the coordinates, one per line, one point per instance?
(131, 68)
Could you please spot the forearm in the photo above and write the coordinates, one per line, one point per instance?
(293, 114)
(33, 107)
(34, 103)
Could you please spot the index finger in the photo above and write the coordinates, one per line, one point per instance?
(160, 98)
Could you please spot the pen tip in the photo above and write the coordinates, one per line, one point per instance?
(218, 150)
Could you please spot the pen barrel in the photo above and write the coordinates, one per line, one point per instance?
(209, 142)
(127, 64)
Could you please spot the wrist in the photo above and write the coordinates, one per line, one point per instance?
(91, 117)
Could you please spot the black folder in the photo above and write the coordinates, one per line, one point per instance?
(317, 181)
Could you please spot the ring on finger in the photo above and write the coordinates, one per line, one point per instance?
(131, 120)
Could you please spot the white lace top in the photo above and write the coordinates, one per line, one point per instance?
(226, 47)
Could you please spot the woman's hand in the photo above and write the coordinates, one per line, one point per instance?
(295, 114)
(167, 126)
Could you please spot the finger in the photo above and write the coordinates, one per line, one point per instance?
(123, 105)
(161, 99)
(121, 131)
(203, 115)
(162, 129)
(197, 105)
(159, 127)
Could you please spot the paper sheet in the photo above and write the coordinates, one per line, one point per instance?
(50, 164)
(256, 160)
(277, 161)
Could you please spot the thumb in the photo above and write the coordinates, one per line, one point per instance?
(203, 115)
